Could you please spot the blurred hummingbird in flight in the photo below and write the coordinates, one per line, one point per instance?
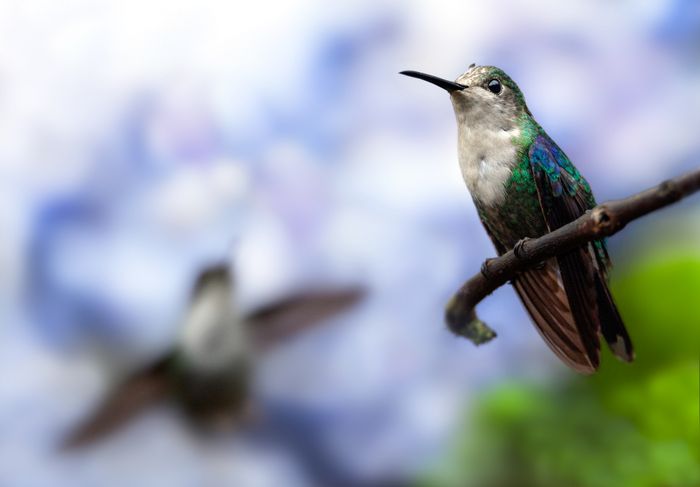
(208, 371)
(524, 186)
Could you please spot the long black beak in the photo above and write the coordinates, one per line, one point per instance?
(450, 86)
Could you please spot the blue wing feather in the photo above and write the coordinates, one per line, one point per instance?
(564, 196)
(547, 159)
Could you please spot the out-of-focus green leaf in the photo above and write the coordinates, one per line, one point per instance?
(664, 405)
(660, 302)
(524, 436)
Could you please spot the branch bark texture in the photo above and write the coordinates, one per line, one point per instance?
(602, 221)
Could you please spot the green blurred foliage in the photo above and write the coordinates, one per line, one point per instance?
(629, 425)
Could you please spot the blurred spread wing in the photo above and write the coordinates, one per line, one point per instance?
(136, 393)
(282, 319)
(564, 196)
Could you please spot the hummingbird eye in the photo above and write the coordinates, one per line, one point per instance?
(495, 86)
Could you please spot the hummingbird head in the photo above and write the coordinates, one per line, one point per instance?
(216, 275)
(483, 95)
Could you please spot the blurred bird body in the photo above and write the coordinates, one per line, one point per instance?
(524, 186)
(211, 365)
(208, 371)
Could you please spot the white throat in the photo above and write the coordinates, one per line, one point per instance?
(486, 157)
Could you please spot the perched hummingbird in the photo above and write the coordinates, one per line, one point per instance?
(523, 186)
(208, 371)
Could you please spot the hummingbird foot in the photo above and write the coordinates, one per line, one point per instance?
(485, 269)
(518, 249)
(520, 253)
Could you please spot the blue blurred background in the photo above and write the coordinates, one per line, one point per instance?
(141, 140)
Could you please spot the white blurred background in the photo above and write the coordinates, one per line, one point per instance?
(141, 140)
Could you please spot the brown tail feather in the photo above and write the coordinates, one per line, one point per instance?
(576, 270)
(613, 328)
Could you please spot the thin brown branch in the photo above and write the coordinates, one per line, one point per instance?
(602, 221)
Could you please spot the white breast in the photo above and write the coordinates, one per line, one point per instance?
(213, 335)
(487, 158)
